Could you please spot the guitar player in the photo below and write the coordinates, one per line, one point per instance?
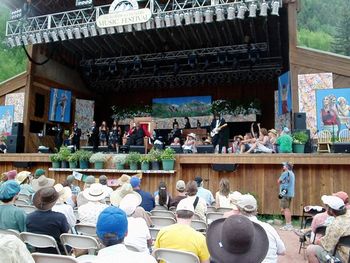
(93, 136)
(217, 127)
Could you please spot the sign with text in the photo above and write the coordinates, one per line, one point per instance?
(129, 17)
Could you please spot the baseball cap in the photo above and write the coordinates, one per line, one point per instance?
(185, 204)
(285, 130)
(289, 165)
(112, 220)
(333, 202)
(247, 202)
(9, 189)
(180, 185)
(342, 195)
(135, 181)
(198, 180)
(39, 172)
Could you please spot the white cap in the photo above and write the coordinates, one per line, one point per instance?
(333, 202)
(247, 202)
(185, 204)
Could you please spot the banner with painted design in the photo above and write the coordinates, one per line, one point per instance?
(84, 115)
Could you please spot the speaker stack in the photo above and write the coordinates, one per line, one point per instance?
(15, 142)
(300, 125)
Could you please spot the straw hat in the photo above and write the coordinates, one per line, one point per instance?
(129, 203)
(22, 176)
(64, 192)
(123, 179)
(42, 182)
(192, 135)
(117, 195)
(273, 131)
(95, 192)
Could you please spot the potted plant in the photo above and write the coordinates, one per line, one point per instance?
(133, 158)
(300, 138)
(154, 157)
(64, 154)
(168, 159)
(73, 160)
(145, 161)
(84, 157)
(56, 160)
(98, 159)
(119, 161)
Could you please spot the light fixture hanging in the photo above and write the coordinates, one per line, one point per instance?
(93, 30)
(231, 12)
(198, 17)
(252, 10)
(54, 36)
(120, 29)
(32, 39)
(111, 30)
(241, 11)
(138, 27)
(188, 18)
(150, 24)
(62, 34)
(219, 14)
(77, 33)
(46, 37)
(38, 38)
(263, 8)
(11, 42)
(159, 21)
(128, 28)
(275, 8)
(69, 33)
(209, 15)
(18, 40)
(169, 20)
(178, 19)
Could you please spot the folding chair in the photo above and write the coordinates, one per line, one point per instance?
(211, 216)
(325, 140)
(172, 209)
(199, 225)
(160, 207)
(27, 208)
(175, 256)
(10, 232)
(87, 230)
(196, 217)
(51, 258)
(162, 213)
(39, 241)
(159, 221)
(26, 198)
(223, 209)
(22, 202)
(344, 242)
(308, 213)
(211, 209)
(344, 135)
(154, 232)
(80, 242)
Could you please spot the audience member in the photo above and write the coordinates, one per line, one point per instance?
(123, 179)
(44, 220)
(38, 172)
(11, 175)
(247, 142)
(138, 232)
(75, 190)
(182, 236)
(62, 207)
(13, 250)
(176, 142)
(3, 146)
(285, 141)
(148, 202)
(204, 193)
(23, 179)
(181, 194)
(81, 200)
(223, 196)
(247, 206)
(338, 228)
(117, 195)
(89, 212)
(273, 139)
(235, 196)
(163, 197)
(11, 217)
(262, 144)
(111, 229)
(189, 145)
(236, 145)
(236, 239)
(103, 180)
(41, 181)
(343, 196)
(200, 207)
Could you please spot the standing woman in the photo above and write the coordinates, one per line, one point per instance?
(103, 134)
(114, 135)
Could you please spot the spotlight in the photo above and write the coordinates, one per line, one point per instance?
(252, 10)
(150, 24)
(62, 34)
(208, 14)
(102, 31)
(188, 18)
(77, 33)
(169, 20)
(231, 12)
(156, 70)
(113, 67)
(263, 8)
(69, 33)
(38, 38)
(25, 40)
(111, 30)
(176, 68)
(137, 64)
(138, 27)
(192, 60)
(241, 11)
(128, 28)
(18, 41)
(83, 3)
(222, 58)
(198, 17)
(32, 39)
(159, 21)
(178, 19)
(85, 31)
(11, 42)
(275, 8)
(219, 14)
(93, 30)
(120, 29)
(54, 36)
(206, 64)
(46, 37)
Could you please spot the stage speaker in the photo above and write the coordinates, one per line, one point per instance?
(221, 167)
(341, 147)
(17, 129)
(22, 164)
(308, 145)
(300, 120)
(15, 144)
(135, 148)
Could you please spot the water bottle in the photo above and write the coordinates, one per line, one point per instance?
(223, 150)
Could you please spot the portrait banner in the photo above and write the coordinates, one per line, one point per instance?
(84, 114)
(283, 120)
(284, 94)
(17, 100)
(6, 119)
(60, 105)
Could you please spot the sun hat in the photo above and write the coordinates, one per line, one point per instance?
(9, 189)
(185, 204)
(123, 179)
(116, 196)
(42, 182)
(63, 192)
(273, 131)
(247, 202)
(342, 195)
(333, 202)
(193, 135)
(236, 239)
(95, 192)
(70, 178)
(22, 176)
(180, 185)
(135, 181)
(129, 203)
(238, 136)
(11, 175)
(112, 220)
(45, 198)
(38, 172)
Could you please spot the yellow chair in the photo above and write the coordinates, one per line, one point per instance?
(324, 141)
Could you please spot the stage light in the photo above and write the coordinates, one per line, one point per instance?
(231, 12)
(18, 41)
(241, 11)
(128, 28)
(83, 3)
(32, 39)
(206, 64)
(46, 37)
(54, 36)
(263, 8)
(93, 30)
(25, 40)
(17, 14)
(252, 10)
(11, 42)
(222, 58)
(138, 27)
(159, 21)
(77, 33)
(111, 30)
(137, 64)
(85, 31)
(62, 34)
(198, 17)
(113, 67)
(178, 19)
(208, 14)
(192, 60)
(188, 18)
(120, 29)
(219, 14)
(176, 68)
(275, 8)
(38, 38)
(102, 31)
(150, 24)
(69, 33)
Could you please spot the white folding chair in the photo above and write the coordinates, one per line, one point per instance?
(80, 242)
(199, 225)
(27, 208)
(25, 198)
(223, 209)
(87, 230)
(162, 213)
(197, 217)
(39, 241)
(160, 207)
(159, 221)
(175, 256)
(324, 139)
(51, 258)
(21, 202)
(211, 216)
(344, 135)
(211, 209)
(154, 232)
(10, 232)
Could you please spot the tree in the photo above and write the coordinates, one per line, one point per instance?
(341, 43)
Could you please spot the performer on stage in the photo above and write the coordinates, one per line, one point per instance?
(136, 135)
(58, 136)
(114, 138)
(217, 125)
(93, 136)
(75, 136)
(175, 133)
(187, 123)
(103, 134)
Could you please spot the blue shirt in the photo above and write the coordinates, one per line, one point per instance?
(206, 195)
(287, 181)
(148, 202)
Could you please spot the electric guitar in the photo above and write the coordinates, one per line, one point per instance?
(216, 130)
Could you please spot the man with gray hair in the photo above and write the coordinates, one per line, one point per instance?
(104, 180)
(247, 206)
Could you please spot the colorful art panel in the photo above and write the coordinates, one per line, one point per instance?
(307, 84)
(284, 94)
(283, 120)
(333, 109)
(17, 100)
(60, 105)
(6, 119)
(84, 114)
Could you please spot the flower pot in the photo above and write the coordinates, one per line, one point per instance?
(83, 164)
(145, 166)
(73, 165)
(119, 166)
(298, 148)
(155, 165)
(56, 164)
(98, 165)
(168, 164)
(64, 164)
(133, 166)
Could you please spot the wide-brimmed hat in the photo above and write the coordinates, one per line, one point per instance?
(180, 185)
(238, 136)
(192, 135)
(236, 239)
(42, 182)
(130, 202)
(95, 192)
(116, 196)
(64, 192)
(273, 131)
(11, 175)
(45, 198)
(123, 179)
(22, 176)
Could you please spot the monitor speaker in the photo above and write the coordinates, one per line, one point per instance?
(300, 120)
(139, 149)
(17, 129)
(15, 144)
(220, 167)
(308, 145)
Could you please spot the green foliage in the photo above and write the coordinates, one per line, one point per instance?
(341, 43)
(145, 158)
(300, 137)
(168, 154)
(64, 153)
(155, 154)
(74, 157)
(98, 157)
(55, 157)
(317, 40)
(84, 155)
(119, 158)
(133, 157)
(236, 107)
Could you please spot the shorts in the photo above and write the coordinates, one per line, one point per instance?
(285, 202)
(323, 255)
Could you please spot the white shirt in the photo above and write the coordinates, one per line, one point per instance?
(108, 190)
(89, 212)
(119, 253)
(138, 234)
(276, 245)
(67, 210)
(12, 249)
(201, 207)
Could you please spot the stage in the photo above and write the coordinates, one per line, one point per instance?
(316, 174)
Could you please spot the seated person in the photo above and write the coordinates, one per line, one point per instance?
(247, 142)
(176, 141)
(263, 143)
(190, 144)
(136, 135)
(3, 147)
(236, 145)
